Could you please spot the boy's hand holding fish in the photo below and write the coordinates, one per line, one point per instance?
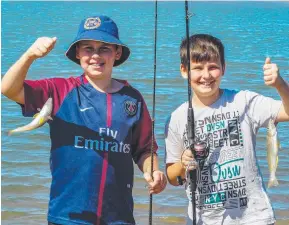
(41, 47)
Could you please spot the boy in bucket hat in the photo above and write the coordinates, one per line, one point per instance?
(100, 125)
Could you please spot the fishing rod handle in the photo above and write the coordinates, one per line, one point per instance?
(191, 128)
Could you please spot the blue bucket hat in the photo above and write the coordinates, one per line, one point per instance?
(98, 28)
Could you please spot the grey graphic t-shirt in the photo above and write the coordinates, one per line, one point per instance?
(229, 187)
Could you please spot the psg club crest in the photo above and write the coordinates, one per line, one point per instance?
(92, 23)
(130, 107)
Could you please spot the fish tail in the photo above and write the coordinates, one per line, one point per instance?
(20, 129)
(273, 182)
(10, 132)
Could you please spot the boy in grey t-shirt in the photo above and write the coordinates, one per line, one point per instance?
(229, 186)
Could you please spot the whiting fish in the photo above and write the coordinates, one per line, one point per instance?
(273, 146)
(39, 118)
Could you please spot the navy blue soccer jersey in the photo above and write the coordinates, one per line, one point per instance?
(95, 137)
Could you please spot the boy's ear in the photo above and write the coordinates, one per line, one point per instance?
(77, 51)
(118, 52)
(183, 70)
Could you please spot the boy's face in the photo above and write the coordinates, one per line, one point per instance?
(205, 77)
(97, 58)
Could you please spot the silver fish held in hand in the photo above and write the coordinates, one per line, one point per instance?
(39, 118)
(273, 146)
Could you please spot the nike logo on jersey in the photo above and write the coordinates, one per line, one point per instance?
(84, 109)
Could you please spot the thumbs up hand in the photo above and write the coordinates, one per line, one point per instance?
(271, 74)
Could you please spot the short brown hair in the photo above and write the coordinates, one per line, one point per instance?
(203, 47)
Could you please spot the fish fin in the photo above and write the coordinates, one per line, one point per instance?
(273, 182)
(35, 115)
(10, 132)
(38, 109)
(41, 120)
(50, 118)
(279, 145)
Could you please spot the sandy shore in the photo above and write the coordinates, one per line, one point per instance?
(282, 222)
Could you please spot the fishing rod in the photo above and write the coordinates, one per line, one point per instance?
(190, 118)
(200, 149)
(153, 113)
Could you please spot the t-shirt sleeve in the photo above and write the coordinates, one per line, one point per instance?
(37, 92)
(261, 109)
(142, 134)
(173, 141)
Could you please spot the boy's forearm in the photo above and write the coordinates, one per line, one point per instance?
(12, 82)
(144, 163)
(283, 90)
(173, 171)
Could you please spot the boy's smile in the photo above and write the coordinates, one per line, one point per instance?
(97, 58)
(205, 80)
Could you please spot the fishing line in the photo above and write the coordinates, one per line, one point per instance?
(188, 53)
(153, 113)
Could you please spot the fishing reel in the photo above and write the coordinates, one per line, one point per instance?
(200, 151)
